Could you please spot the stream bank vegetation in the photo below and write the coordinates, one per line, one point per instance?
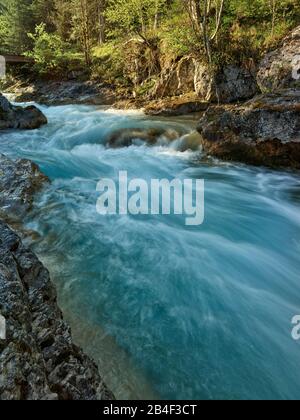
(132, 44)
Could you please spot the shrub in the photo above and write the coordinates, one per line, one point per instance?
(51, 55)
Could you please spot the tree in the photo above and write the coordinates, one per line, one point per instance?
(17, 20)
(206, 20)
(273, 7)
(101, 6)
(48, 50)
(2, 7)
(82, 20)
(134, 16)
(62, 17)
(42, 12)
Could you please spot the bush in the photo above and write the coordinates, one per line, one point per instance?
(51, 55)
(108, 63)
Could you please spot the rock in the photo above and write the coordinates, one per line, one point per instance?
(281, 68)
(4, 104)
(176, 79)
(130, 136)
(175, 107)
(68, 92)
(263, 131)
(235, 84)
(38, 360)
(231, 84)
(203, 82)
(19, 181)
(17, 117)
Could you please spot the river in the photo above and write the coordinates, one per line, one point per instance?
(169, 311)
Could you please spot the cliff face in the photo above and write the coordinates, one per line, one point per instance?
(38, 359)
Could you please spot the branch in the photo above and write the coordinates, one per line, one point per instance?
(218, 21)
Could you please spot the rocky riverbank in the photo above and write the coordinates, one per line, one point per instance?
(38, 359)
(64, 92)
(18, 117)
(263, 131)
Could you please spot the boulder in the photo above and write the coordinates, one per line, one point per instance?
(19, 181)
(141, 60)
(263, 131)
(231, 84)
(281, 68)
(27, 118)
(136, 136)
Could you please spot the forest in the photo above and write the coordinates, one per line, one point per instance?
(93, 37)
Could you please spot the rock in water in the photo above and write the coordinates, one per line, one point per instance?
(19, 118)
(38, 359)
(263, 131)
(19, 181)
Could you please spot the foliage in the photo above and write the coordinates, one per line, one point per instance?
(61, 34)
(49, 52)
(134, 16)
(108, 63)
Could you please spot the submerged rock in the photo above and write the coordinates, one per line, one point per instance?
(263, 131)
(151, 136)
(27, 118)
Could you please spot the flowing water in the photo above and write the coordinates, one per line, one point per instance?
(169, 311)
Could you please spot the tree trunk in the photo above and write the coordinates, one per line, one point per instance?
(101, 21)
(85, 31)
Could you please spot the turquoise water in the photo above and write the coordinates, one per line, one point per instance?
(188, 312)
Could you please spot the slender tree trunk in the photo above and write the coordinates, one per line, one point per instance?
(85, 31)
(101, 20)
